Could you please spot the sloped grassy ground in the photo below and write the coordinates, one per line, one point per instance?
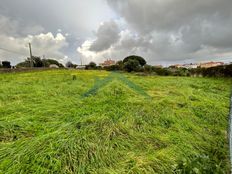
(48, 126)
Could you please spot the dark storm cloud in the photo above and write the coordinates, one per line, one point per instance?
(179, 28)
(169, 15)
(159, 30)
(74, 16)
(107, 34)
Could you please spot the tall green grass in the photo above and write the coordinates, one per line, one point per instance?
(47, 126)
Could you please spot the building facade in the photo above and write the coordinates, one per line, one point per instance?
(210, 64)
(107, 62)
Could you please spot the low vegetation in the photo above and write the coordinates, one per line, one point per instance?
(38, 62)
(138, 64)
(131, 63)
(48, 125)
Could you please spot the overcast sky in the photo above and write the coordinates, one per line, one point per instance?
(162, 31)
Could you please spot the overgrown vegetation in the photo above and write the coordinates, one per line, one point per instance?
(47, 126)
(138, 64)
(5, 64)
(132, 66)
(131, 63)
(38, 62)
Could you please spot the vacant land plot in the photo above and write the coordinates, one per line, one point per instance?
(48, 125)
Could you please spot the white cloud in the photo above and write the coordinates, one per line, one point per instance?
(15, 48)
(87, 55)
(160, 31)
(75, 18)
(167, 31)
(125, 44)
(48, 44)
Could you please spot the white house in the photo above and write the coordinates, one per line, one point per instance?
(53, 66)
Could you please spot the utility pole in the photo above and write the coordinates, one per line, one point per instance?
(31, 63)
(43, 61)
(81, 61)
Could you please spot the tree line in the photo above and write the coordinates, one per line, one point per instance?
(34, 61)
(131, 63)
(139, 65)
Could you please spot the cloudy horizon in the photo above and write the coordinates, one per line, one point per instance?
(163, 32)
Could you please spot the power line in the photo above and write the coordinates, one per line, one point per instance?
(11, 51)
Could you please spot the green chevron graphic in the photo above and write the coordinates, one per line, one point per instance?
(101, 83)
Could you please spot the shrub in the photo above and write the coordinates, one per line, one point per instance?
(141, 60)
(6, 64)
(48, 62)
(91, 65)
(148, 68)
(112, 68)
(228, 71)
(131, 65)
(69, 64)
(26, 63)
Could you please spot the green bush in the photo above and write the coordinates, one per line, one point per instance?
(48, 62)
(6, 64)
(113, 68)
(218, 71)
(91, 65)
(148, 68)
(131, 65)
(141, 60)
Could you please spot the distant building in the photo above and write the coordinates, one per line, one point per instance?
(108, 62)
(176, 66)
(190, 66)
(80, 67)
(53, 66)
(187, 66)
(210, 64)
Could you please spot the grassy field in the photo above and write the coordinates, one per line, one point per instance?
(48, 125)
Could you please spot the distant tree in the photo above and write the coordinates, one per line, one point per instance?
(6, 64)
(196, 71)
(69, 64)
(99, 68)
(120, 64)
(218, 71)
(23, 64)
(141, 60)
(131, 65)
(148, 68)
(162, 71)
(37, 62)
(61, 65)
(228, 70)
(48, 62)
(91, 65)
(113, 68)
